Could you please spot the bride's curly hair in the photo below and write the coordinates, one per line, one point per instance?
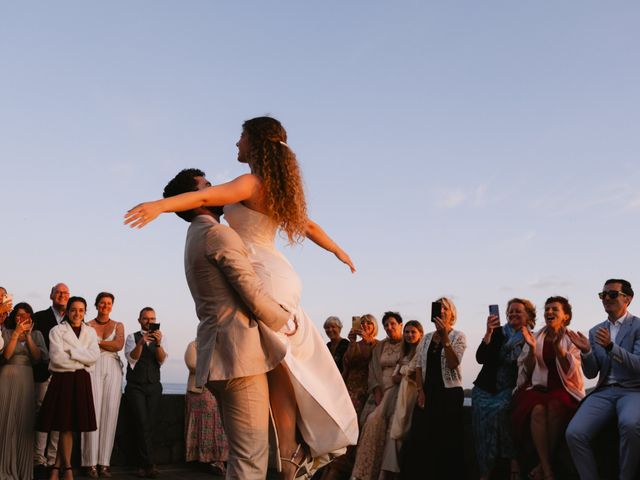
(276, 164)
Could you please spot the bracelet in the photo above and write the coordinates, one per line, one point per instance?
(448, 344)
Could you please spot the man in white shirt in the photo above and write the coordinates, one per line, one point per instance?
(612, 351)
(44, 321)
(146, 351)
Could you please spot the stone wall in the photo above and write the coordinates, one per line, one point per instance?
(169, 442)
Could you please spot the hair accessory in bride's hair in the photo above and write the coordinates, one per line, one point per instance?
(283, 144)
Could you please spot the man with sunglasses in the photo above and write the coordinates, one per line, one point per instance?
(612, 351)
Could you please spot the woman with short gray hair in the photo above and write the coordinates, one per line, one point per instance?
(336, 344)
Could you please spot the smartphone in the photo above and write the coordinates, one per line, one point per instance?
(494, 310)
(355, 322)
(154, 326)
(436, 310)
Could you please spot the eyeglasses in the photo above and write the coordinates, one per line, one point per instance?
(612, 294)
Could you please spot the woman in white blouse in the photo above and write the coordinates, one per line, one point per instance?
(68, 405)
(436, 437)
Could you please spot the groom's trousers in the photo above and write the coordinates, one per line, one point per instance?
(244, 406)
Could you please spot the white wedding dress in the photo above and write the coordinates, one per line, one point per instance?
(327, 419)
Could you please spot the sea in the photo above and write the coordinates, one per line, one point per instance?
(174, 388)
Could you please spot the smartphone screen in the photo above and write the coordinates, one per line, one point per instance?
(436, 310)
(154, 326)
(355, 322)
(494, 310)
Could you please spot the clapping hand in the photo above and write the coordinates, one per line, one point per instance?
(142, 214)
(6, 307)
(580, 341)
(557, 337)
(603, 337)
(529, 338)
(24, 328)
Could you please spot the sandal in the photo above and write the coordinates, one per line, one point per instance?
(70, 470)
(91, 472)
(52, 469)
(303, 469)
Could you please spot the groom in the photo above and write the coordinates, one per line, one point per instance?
(236, 343)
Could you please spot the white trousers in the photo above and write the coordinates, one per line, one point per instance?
(106, 385)
(41, 437)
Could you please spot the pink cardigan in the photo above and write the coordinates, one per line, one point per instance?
(572, 380)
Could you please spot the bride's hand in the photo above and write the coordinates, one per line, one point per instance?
(344, 258)
(142, 214)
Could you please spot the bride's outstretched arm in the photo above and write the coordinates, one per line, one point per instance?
(317, 235)
(237, 190)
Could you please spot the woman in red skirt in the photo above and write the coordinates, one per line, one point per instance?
(68, 405)
(550, 385)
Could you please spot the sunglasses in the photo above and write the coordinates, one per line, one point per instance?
(612, 294)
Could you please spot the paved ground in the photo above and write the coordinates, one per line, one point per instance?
(167, 472)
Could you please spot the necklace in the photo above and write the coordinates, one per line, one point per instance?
(102, 323)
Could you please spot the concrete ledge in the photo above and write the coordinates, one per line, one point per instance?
(169, 443)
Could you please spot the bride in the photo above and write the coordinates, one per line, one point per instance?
(308, 396)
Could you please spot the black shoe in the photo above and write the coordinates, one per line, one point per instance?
(40, 472)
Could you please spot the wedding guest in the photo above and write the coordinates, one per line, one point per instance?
(6, 305)
(205, 440)
(336, 345)
(106, 383)
(436, 436)
(550, 385)
(44, 320)
(68, 404)
(491, 396)
(356, 376)
(146, 351)
(383, 389)
(399, 412)
(612, 352)
(24, 347)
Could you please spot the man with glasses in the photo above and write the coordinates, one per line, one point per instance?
(44, 321)
(145, 351)
(612, 351)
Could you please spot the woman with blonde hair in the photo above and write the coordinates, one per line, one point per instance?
(435, 439)
(491, 395)
(313, 414)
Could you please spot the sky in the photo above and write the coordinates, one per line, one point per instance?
(477, 150)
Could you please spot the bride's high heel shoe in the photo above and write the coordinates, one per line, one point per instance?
(303, 466)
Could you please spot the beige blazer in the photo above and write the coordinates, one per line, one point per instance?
(238, 320)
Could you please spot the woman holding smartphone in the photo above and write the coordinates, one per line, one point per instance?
(24, 347)
(356, 376)
(384, 358)
(436, 437)
(68, 405)
(491, 407)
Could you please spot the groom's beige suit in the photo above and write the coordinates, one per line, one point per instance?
(236, 340)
